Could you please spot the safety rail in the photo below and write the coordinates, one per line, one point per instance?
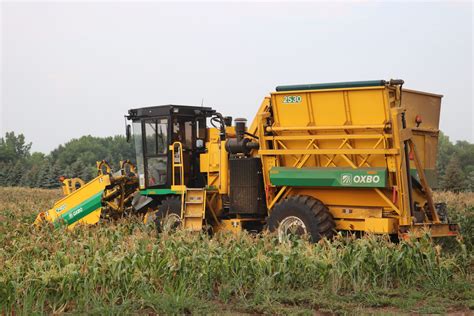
(322, 128)
(177, 162)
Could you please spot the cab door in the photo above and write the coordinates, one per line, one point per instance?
(156, 152)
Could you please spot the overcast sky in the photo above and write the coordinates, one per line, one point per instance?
(72, 69)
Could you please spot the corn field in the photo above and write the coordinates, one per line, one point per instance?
(125, 267)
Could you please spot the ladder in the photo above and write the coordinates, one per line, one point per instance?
(193, 208)
(177, 167)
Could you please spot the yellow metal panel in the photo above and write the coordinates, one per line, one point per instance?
(91, 219)
(381, 225)
(204, 163)
(342, 197)
(436, 230)
(391, 164)
(328, 108)
(178, 188)
(224, 169)
(292, 114)
(212, 134)
(367, 107)
(426, 107)
(348, 224)
(232, 225)
(369, 225)
(262, 111)
(214, 157)
(355, 213)
(194, 224)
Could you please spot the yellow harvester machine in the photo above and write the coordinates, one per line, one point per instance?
(316, 159)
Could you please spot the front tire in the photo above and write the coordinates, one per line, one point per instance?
(168, 217)
(301, 215)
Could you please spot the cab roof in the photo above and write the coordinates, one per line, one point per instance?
(169, 109)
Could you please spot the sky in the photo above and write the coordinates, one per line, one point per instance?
(72, 69)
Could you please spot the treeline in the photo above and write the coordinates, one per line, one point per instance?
(76, 158)
(455, 165)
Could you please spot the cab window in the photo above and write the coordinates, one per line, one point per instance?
(156, 136)
(156, 143)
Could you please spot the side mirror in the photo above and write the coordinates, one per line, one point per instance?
(128, 132)
(199, 143)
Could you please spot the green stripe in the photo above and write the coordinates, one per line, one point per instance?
(81, 210)
(329, 177)
(332, 85)
(157, 192)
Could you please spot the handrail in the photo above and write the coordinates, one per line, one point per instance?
(335, 151)
(327, 137)
(317, 128)
(177, 162)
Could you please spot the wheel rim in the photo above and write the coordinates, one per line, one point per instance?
(291, 226)
(171, 222)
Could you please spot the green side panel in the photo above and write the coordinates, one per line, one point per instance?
(83, 209)
(157, 192)
(333, 85)
(329, 177)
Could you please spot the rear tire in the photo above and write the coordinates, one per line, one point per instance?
(168, 216)
(301, 215)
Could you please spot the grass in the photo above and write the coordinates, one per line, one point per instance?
(124, 268)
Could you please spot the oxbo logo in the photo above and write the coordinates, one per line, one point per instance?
(367, 179)
(62, 207)
(348, 179)
(75, 213)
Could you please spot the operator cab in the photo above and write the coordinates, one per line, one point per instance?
(157, 128)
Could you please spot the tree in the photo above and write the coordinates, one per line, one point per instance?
(30, 177)
(47, 178)
(16, 172)
(32, 168)
(3, 174)
(80, 170)
(445, 151)
(13, 148)
(470, 181)
(76, 158)
(454, 178)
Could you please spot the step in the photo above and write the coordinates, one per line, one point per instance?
(194, 202)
